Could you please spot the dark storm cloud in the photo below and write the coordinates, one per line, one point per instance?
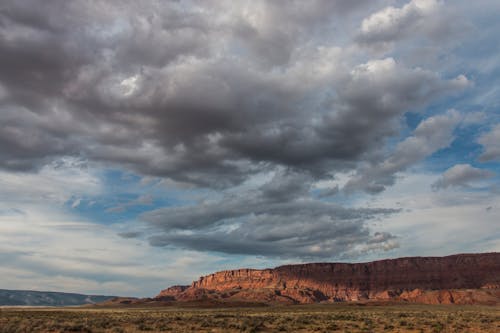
(59, 94)
(212, 93)
(167, 91)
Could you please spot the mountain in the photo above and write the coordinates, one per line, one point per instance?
(455, 279)
(47, 298)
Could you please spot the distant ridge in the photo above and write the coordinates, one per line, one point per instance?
(454, 279)
(47, 298)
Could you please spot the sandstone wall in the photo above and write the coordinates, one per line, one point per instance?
(384, 279)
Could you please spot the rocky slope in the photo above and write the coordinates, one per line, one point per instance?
(47, 298)
(460, 279)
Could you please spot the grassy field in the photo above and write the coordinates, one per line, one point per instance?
(314, 318)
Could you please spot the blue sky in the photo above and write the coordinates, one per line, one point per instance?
(144, 146)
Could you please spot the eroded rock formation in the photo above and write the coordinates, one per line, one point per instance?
(460, 279)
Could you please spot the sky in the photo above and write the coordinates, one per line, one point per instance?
(144, 144)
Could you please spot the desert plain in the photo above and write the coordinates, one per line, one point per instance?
(345, 317)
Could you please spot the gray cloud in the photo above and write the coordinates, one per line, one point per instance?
(461, 175)
(298, 229)
(169, 92)
(130, 234)
(491, 144)
(432, 134)
(212, 93)
(278, 219)
(272, 31)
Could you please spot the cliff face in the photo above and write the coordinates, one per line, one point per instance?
(415, 279)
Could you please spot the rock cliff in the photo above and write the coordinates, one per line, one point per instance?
(461, 279)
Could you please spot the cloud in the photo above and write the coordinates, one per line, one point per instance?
(370, 98)
(270, 31)
(201, 105)
(437, 222)
(386, 26)
(248, 123)
(130, 234)
(431, 134)
(76, 203)
(491, 144)
(47, 248)
(142, 200)
(55, 183)
(461, 175)
(278, 219)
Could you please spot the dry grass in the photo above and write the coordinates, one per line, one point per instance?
(313, 318)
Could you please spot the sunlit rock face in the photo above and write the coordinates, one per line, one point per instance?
(460, 279)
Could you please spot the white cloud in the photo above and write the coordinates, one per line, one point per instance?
(43, 246)
(393, 23)
(56, 183)
(76, 203)
(129, 85)
(50, 250)
(437, 223)
(461, 175)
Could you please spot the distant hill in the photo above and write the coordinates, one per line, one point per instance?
(47, 298)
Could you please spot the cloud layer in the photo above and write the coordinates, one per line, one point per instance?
(278, 219)
(208, 102)
(246, 129)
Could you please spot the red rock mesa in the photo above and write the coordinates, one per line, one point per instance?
(455, 279)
